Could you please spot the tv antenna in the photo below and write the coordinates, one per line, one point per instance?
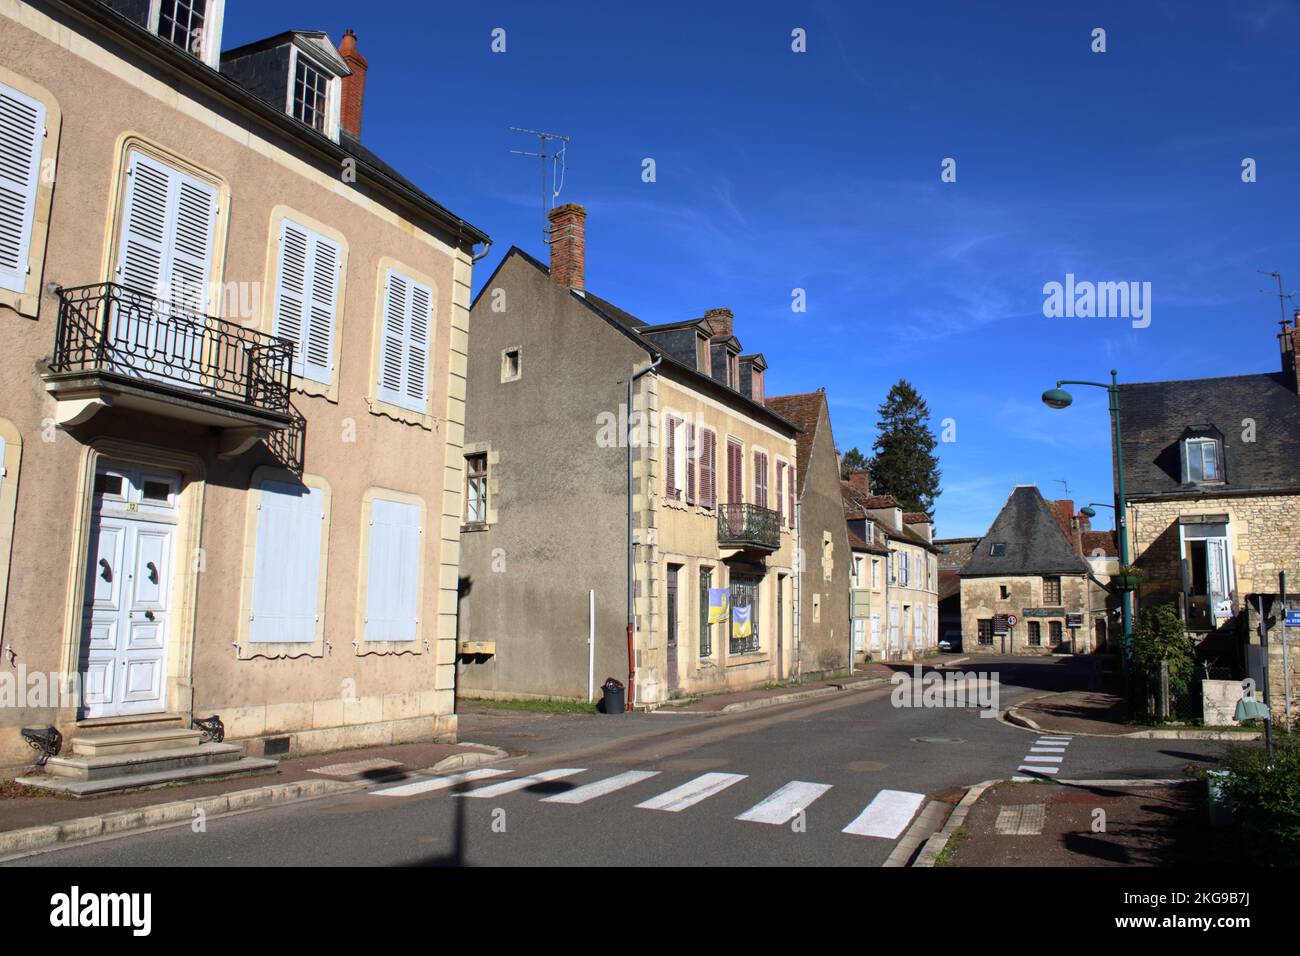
(556, 155)
(1062, 481)
(1282, 296)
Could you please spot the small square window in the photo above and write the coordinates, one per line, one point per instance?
(156, 491)
(1004, 591)
(510, 365)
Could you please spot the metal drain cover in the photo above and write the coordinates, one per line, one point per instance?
(938, 740)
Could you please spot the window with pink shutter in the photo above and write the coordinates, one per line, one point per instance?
(760, 479)
(709, 470)
(690, 463)
(670, 458)
(790, 494)
(735, 458)
(780, 498)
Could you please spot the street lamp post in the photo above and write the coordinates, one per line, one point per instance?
(1059, 398)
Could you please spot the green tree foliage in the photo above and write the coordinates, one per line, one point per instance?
(1264, 797)
(905, 465)
(1161, 636)
(851, 461)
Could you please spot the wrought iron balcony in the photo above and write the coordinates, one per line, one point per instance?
(748, 526)
(116, 334)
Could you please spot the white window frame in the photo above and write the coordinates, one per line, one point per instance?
(1202, 445)
(333, 92)
(213, 17)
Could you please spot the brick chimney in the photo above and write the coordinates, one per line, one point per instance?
(1290, 339)
(720, 320)
(568, 244)
(861, 478)
(354, 86)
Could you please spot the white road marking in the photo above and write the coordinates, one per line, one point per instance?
(437, 783)
(1039, 769)
(519, 783)
(1047, 750)
(786, 803)
(601, 787)
(887, 815)
(1054, 740)
(691, 792)
(1043, 759)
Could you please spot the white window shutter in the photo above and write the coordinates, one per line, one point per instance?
(404, 349)
(392, 586)
(286, 577)
(168, 225)
(22, 130)
(307, 299)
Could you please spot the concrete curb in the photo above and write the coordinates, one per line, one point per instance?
(1015, 719)
(27, 839)
(743, 705)
(935, 845)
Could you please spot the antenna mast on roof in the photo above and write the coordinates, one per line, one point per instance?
(1062, 481)
(1282, 296)
(549, 193)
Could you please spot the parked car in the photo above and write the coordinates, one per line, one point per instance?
(950, 642)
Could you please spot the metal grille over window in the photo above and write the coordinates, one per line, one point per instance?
(744, 638)
(706, 632)
(1052, 591)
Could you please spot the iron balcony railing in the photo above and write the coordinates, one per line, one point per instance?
(748, 526)
(114, 329)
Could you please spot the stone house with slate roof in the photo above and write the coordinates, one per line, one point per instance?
(545, 550)
(1026, 566)
(1212, 476)
(822, 636)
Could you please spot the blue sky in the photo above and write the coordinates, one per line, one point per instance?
(821, 171)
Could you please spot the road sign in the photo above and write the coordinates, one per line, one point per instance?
(1012, 620)
(1001, 623)
(1293, 618)
(1074, 620)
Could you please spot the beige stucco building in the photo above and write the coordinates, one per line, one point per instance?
(232, 395)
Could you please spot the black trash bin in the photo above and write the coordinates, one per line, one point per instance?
(613, 702)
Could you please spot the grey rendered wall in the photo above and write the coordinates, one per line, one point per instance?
(825, 644)
(559, 497)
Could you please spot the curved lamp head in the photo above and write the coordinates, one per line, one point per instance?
(1057, 398)
(1088, 512)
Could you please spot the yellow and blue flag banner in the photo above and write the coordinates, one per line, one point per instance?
(719, 604)
(741, 621)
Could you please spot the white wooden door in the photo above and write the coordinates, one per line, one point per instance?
(128, 593)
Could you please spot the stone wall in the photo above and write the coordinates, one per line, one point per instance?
(982, 598)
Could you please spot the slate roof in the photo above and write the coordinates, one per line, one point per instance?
(857, 504)
(1028, 527)
(1154, 415)
(805, 411)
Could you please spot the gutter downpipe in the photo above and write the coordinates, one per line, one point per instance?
(798, 588)
(478, 256)
(631, 545)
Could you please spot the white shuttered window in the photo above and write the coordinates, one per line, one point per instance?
(286, 577)
(404, 353)
(168, 232)
(392, 585)
(306, 299)
(22, 134)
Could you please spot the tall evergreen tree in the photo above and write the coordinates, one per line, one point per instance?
(905, 465)
(851, 461)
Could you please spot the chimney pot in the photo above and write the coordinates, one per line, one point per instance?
(720, 320)
(568, 244)
(860, 478)
(354, 85)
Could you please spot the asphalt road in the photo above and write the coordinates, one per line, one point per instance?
(851, 761)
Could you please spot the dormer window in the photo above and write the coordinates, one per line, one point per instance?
(733, 370)
(192, 25)
(998, 549)
(309, 97)
(1202, 455)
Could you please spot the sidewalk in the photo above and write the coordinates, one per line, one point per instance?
(870, 674)
(1140, 824)
(31, 818)
(1100, 713)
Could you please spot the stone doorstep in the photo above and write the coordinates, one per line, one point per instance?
(33, 838)
(101, 743)
(141, 762)
(241, 767)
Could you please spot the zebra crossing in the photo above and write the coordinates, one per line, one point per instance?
(886, 816)
(1044, 757)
